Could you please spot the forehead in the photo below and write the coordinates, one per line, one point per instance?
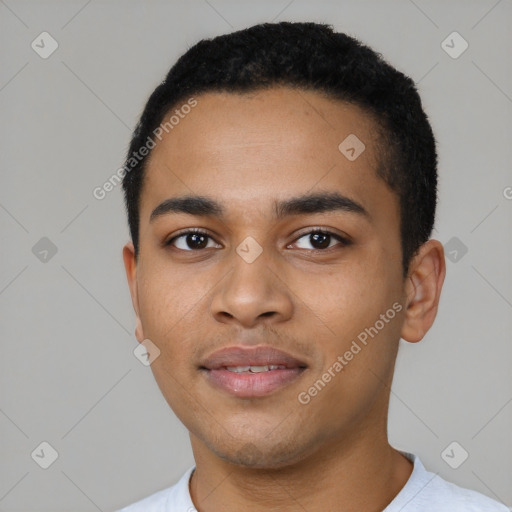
(252, 148)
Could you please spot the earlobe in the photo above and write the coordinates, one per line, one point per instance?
(423, 290)
(130, 265)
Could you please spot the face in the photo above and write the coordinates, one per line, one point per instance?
(308, 278)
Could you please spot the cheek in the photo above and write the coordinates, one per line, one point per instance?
(166, 300)
(169, 312)
(347, 299)
(172, 314)
(355, 305)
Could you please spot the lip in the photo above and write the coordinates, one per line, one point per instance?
(250, 356)
(248, 385)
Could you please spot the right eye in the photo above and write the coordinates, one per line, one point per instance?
(191, 240)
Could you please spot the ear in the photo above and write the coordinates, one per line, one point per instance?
(423, 289)
(130, 265)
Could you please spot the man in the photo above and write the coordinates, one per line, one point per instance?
(281, 192)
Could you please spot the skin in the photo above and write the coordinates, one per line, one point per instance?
(274, 453)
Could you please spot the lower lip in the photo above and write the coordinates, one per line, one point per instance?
(247, 385)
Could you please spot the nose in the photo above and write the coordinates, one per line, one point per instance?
(252, 293)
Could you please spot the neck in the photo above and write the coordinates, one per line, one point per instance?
(352, 472)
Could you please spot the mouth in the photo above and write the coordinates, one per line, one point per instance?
(251, 372)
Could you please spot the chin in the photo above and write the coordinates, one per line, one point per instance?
(251, 455)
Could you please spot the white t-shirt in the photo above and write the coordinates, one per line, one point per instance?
(423, 492)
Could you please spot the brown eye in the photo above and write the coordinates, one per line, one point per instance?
(320, 240)
(191, 241)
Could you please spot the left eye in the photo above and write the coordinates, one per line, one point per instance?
(320, 240)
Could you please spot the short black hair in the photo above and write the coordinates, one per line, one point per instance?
(309, 56)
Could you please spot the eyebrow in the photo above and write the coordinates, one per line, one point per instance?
(202, 206)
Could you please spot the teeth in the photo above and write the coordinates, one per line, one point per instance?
(238, 369)
(258, 369)
(255, 369)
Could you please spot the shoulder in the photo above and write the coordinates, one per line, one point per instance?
(445, 496)
(157, 502)
(174, 498)
(426, 491)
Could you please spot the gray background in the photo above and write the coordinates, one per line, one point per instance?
(67, 369)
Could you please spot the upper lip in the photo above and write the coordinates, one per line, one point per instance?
(254, 356)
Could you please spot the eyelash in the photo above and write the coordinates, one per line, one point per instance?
(197, 231)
